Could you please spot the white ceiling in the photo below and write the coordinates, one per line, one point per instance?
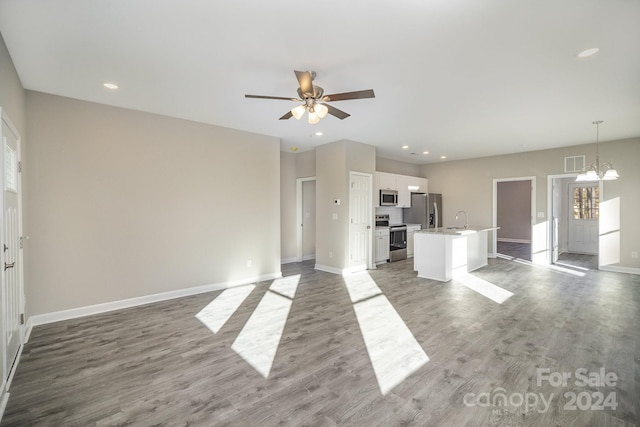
(462, 78)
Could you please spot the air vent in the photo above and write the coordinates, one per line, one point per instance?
(574, 163)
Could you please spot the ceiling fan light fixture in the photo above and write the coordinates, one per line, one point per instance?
(321, 110)
(313, 118)
(298, 111)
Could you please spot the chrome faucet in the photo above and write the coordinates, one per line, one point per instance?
(466, 225)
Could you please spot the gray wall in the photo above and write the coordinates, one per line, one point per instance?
(468, 185)
(333, 163)
(126, 204)
(514, 210)
(12, 96)
(309, 219)
(397, 167)
(288, 222)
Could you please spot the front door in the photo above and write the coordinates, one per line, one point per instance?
(584, 207)
(360, 219)
(11, 263)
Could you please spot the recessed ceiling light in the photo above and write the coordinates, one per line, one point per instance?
(588, 52)
(425, 152)
(443, 157)
(404, 147)
(319, 133)
(111, 86)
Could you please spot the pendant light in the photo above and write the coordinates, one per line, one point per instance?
(597, 172)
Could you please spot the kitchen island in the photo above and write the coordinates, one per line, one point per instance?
(443, 253)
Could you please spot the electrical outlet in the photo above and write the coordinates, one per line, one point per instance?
(540, 214)
(334, 216)
(634, 254)
(249, 263)
(330, 254)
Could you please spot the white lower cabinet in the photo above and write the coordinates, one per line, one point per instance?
(382, 245)
(411, 229)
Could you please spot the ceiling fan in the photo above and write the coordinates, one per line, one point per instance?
(313, 99)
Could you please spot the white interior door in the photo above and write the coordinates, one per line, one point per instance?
(360, 218)
(308, 220)
(12, 278)
(584, 206)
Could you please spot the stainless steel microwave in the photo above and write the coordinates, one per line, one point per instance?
(388, 198)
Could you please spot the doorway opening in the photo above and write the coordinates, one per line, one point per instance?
(306, 218)
(514, 210)
(574, 211)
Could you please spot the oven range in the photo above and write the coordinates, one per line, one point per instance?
(397, 237)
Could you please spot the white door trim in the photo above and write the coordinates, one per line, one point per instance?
(550, 179)
(494, 240)
(299, 214)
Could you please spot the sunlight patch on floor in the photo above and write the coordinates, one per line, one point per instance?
(484, 288)
(552, 267)
(361, 286)
(218, 311)
(393, 350)
(259, 339)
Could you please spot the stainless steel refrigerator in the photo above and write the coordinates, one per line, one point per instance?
(426, 209)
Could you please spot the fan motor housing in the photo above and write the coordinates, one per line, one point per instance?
(317, 93)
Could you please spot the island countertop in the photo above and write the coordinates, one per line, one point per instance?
(457, 231)
(444, 253)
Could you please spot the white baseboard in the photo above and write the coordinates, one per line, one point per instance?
(328, 269)
(3, 403)
(617, 269)
(506, 239)
(73, 313)
(295, 259)
(28, 329)
(351, 270)
(340, 271)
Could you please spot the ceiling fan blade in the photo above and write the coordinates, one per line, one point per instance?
(304, 79)
(360, 94)
(272, 97)
(286, 116)
(337, 113)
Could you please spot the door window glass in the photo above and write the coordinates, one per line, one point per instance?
(586, 202)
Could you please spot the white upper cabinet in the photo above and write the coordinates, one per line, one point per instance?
(417, 184)
(387, 181)
(404, 194)
(403, 184)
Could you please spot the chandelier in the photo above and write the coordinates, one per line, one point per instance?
(597, 172)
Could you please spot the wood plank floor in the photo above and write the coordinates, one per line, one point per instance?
(159, 365)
